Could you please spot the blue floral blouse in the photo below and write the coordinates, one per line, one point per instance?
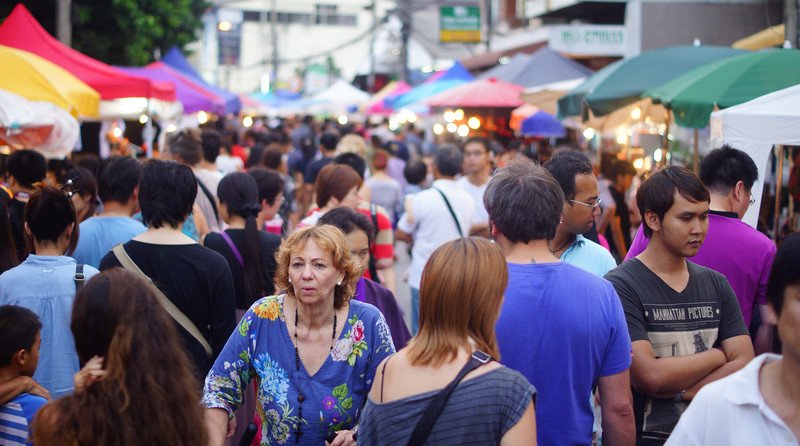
(261, 348)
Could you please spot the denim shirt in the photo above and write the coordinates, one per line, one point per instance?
(46, 286)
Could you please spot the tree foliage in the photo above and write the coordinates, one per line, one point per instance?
(124, 32)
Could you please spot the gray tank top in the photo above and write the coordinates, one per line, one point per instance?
(479, 411)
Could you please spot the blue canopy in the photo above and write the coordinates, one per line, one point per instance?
(276, 98)
(453, 77)
(177, 60)
(542, 124)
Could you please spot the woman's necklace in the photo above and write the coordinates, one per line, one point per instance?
(300, 397)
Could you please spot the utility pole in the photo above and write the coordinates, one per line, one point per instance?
(405, 33)
(64, 21)
(489, 24)
(274, 40)
(371, 83)
(791, 22)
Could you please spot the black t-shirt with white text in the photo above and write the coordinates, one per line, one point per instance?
(675, 323)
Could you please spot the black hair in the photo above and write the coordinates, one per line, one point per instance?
(186, 146)
(48, 213)
(620, 168)
(80, 180)
(269, 183)
(329, 141)
(212, 144)
(479, 140)
(524, 202)
(657, 192)
(722, 168)
(8, 250)
(353, 160)
(167, 191)
(564, 167)
(87, 160)
(28, 167)
(272, 158)
(119, 178)
(59, 167)
(785, 273)
(18, 329)
(348, 221)
(239, 192)
(448, 159)
(415, 171)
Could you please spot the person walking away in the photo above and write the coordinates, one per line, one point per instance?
(119, 193)
(562, 327)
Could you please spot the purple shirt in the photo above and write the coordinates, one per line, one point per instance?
(742, 254)
(375, 294)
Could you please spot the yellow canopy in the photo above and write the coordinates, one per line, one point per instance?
(766, 38)
(38, 79)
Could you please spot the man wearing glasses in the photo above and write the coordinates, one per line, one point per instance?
(574, 174)
(735, 249)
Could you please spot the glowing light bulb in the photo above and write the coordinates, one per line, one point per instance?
(202, 117)
(438, 128)
(247, 121)
(588, 133)
(474, 123)
(463, 130)
(143, 119)
(452, 127)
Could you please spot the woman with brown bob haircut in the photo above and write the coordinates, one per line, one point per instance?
(312, 349)
(136, 386)
(460, 297)
(336, 185)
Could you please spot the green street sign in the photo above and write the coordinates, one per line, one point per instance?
(460, 24)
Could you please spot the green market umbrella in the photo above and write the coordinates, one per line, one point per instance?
(726, 83)
(624, 81)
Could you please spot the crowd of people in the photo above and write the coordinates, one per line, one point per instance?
(242, 288)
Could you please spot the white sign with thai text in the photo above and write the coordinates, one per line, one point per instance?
(592, 40)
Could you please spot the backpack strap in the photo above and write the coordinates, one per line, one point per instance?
(210, 197)
(177, 315)
(79, 277)
(232, 246)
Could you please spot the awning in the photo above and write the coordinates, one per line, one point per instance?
(488, 60)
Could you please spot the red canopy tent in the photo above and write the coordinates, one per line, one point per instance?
(21, 30)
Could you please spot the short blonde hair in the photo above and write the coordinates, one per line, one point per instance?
(333, 242)
(352, 143)
(459, 299)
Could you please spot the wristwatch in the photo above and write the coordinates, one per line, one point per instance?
(678, 397)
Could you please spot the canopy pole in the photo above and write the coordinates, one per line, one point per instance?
(666, 137)
(149, 131)
(696, 158)
(778, 191)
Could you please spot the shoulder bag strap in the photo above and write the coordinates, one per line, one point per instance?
(450, 208)
(233, 247)
(373, 267)
(428, 420)
(79, 277)
(210, 197)
(173, 311)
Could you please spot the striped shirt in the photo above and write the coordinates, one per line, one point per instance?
(479, 412)
(16, 417)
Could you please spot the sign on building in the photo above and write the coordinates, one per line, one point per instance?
(590, 40)
(460, 24)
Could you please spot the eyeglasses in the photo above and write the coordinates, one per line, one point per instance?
(588, 205)
(752, 200)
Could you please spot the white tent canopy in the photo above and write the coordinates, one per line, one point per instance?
(756, 126)
(338, 98)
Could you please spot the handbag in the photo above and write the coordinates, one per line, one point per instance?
(431, 414)
(182, 320)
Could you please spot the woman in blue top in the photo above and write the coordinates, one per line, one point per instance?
(312, 351)
(46, 282)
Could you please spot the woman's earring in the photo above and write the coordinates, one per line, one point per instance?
(290, 280)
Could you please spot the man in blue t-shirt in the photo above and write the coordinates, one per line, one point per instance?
(20, 338)
(560, 326)
(118, 189)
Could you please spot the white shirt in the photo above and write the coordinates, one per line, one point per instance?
(476, 192)
(432, 225)
(732, 412)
